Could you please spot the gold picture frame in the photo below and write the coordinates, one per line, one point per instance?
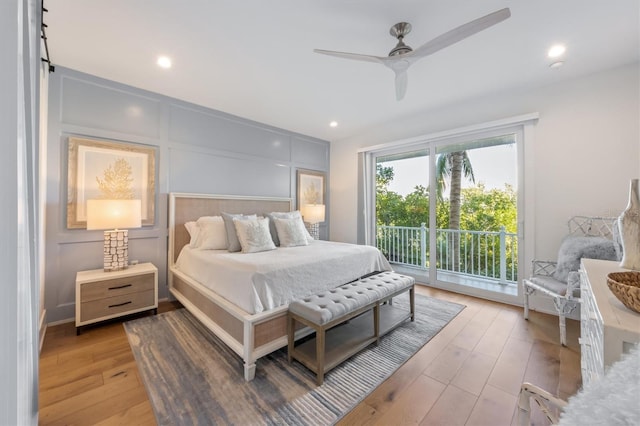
(108, 170)
(310, 187)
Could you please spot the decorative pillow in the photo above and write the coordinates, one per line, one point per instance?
(232, 237)
(272, 224)
(193, 230)
(253, 234)
(213, 235)
(291, 232)
(574, 248)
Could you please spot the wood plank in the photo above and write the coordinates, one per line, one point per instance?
(385, 394)
(64, 410)
(70, 389)
(103, 409)
(570, 375)
(414, 404)
(494, 407)
(474, 373)
(452, 408)
(446, 365)
(363, 414)
(509, 370)
(139, 415)
(64, 375)
(495, 337)
(543, 368)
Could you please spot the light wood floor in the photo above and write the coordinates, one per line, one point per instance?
(470, 373)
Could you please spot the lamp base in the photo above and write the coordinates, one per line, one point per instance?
(314, 230)
(116, 250)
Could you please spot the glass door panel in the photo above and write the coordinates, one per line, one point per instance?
(476, 213)
(402, 208)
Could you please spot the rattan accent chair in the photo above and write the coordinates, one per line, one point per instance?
(560, 279)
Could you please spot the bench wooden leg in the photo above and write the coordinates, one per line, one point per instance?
(376, 323)
(291, 331)
(320, 341)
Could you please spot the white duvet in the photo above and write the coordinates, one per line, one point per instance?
(258, 282)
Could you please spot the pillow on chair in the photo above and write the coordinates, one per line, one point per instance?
(574, 248)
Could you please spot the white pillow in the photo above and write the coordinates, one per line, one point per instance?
(193, 230)
(253, 234)
(213, 235)
(291, 232)
(285, 215)
(272, 223)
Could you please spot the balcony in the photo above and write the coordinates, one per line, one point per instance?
(476, 258)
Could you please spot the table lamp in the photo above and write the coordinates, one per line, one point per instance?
(313, 214)
(115, 217)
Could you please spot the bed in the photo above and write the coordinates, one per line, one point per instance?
(243, 298)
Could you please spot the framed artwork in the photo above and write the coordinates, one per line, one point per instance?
(311, 187)
(109, 170)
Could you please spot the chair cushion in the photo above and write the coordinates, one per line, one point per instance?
(575, 248)
(550, 283)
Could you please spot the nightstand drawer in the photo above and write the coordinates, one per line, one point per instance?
(116, 287)
(118, 304)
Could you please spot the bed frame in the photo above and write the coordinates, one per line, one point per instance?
(251, 336)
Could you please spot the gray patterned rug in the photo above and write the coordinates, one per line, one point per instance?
(192, 378)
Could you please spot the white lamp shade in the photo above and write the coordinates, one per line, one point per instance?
(313, 213)
(113, 214)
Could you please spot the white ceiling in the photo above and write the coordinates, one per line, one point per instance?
(254, 58)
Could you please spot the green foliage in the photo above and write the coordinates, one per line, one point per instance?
(488, 210)
(384, 176)
(481, 210)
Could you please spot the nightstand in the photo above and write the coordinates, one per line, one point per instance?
(105, 295)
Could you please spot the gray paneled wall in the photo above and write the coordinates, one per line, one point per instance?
(197, 150)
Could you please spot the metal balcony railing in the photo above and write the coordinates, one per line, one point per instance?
(481, 254)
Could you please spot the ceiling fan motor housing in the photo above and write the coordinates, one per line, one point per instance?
(398, 31)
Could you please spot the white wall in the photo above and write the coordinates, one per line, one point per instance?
(587, 145)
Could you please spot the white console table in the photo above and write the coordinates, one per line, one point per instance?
(607, 327)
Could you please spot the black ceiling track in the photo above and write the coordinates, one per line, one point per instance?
(43, 35)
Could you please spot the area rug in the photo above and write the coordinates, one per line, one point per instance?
(192, 378)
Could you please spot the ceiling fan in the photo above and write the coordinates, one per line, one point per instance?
(402, 56)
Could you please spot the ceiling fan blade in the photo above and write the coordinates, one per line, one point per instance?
(353, 56)
(401, 84)
(460, 33)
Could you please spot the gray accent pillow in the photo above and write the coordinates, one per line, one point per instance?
(574, 248)
(232, 236)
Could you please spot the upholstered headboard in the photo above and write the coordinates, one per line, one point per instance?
(185, 207)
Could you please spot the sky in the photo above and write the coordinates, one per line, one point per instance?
(493, 166)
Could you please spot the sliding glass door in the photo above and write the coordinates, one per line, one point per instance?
(447, 211)
(477, 220)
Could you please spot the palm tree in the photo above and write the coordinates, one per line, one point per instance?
(453, 165)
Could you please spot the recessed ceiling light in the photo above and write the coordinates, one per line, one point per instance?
(556, 51)
(556, 64)
(164, 62)
(333, 124)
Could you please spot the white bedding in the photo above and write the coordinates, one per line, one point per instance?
(257, 282)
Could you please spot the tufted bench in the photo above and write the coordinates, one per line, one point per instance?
(325, 310)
